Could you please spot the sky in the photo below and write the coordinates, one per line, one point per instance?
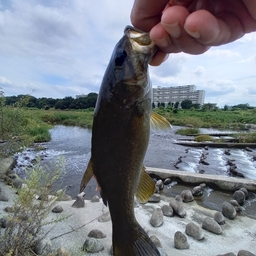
(59, 48)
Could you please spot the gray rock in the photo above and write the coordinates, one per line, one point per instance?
(245, 253)
(219, 218)
(187, 196)
(65, 197)
(3, 223)
(104, 217)
(236, 205)
(167, 181)
(227, 254)
(193, 230)
(9, 209)
(63, 252)
(92, 245)
(167, 210)
(96, 233)
(211, 225)
(156, 241)
(154, 199)
(160, 184)
(156, 219)
(17, 183)
(43, 247)
(3, 197)
(180, 241)
(178, 207)
(245, 193)
(95, 199)
(79, 203)
(178, 198)
(239, 196)
(228, 210)
(57, 209)
(197, 191)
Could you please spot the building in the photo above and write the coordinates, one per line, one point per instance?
(171, 95)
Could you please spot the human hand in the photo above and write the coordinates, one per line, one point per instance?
(193, 26)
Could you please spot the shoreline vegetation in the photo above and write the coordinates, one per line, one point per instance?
(22, 126)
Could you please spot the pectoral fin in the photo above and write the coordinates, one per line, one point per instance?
(146, 186)
(158, 122)
(88, 174)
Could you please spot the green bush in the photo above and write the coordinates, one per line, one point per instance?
(27, 221)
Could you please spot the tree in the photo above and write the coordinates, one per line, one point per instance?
(186, 104)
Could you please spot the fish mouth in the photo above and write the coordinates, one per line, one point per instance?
(140, 40)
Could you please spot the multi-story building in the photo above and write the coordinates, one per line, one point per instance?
(172, 95)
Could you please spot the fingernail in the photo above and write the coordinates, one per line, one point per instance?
(173, 29)
(162, 43)
(195, 34)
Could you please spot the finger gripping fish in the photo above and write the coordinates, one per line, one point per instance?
(120, 136)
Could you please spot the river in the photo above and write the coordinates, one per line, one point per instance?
(74, 144)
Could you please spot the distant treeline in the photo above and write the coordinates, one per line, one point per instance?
(88, 101)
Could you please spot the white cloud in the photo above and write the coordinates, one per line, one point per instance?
(60, 48)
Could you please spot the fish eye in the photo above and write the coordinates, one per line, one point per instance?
(119, 60)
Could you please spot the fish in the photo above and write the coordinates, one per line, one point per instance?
(120, 136)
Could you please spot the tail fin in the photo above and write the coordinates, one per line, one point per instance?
(133, 242)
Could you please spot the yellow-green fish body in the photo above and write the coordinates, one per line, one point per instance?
(120, 137)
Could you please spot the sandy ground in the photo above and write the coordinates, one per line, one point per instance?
(238, 234)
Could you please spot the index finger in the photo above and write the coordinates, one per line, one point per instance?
(147, 13)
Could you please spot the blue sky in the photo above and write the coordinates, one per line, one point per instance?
(53, 48)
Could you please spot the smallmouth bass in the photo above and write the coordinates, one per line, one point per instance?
(120, 136)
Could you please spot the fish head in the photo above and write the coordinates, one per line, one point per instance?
(129, 63)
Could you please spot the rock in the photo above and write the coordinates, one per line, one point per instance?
(79, 203)
(227, 254)
(156, 241)
(180, 241)
(92, 245)
(65, 197)
(96, 233)
(248, 149)
(167, 211)
(95, 199)
(211, 225)
(57, 209)
(203, 185)
(9, 209)
(62, 252)
(239, 196)
(227, 152)
(219, 218)
(160, 184)
(156, 219)
(154, 199)
(3, 223)
(178, 198)
(3, 197)
(245, 193)
(167, 181)
(228, 210)
(17, 183)
(193, 230)
(187, 196)
(197, 191)
(245, 253)
(43, 247)
(178, 207)
(104, 217)
(5, 165)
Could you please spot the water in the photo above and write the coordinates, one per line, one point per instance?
(74, 144)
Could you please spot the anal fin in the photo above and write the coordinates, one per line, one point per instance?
(146, 186)
(88, 174)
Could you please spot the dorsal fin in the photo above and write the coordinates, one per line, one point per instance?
(158, 122)
(146, 186)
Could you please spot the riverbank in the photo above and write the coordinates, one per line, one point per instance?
(237, 234)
